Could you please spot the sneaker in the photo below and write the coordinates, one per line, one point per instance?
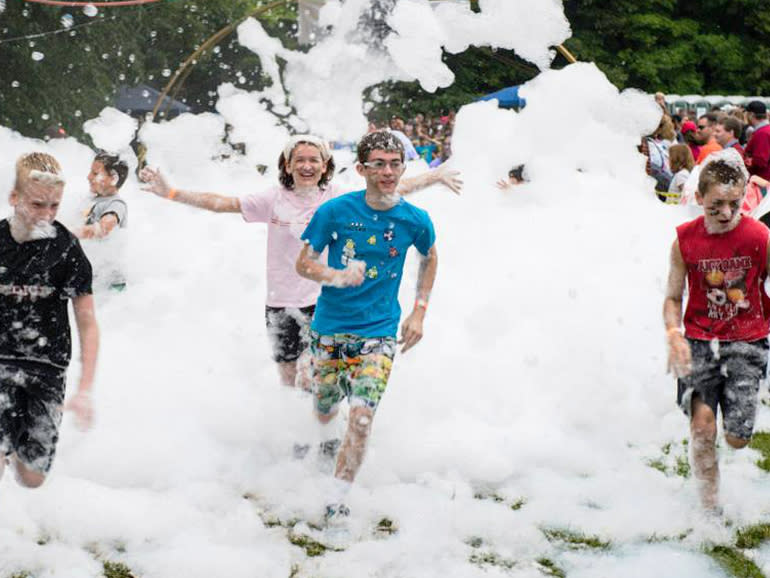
(329, 448)
(336, 514)
(327, 455)
(300, 451)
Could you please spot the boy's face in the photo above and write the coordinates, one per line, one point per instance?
(721, 207)
(383, 173)
(36, 204)
(102, 183)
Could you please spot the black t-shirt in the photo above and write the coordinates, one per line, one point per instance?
(37, 278)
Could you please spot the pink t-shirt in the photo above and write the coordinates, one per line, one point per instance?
(286, 214)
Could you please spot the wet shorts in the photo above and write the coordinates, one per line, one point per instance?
(726, 374)
(289, 331)
(31, 400)
(352, 367)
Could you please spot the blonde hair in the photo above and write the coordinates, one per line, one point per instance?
(38, 166)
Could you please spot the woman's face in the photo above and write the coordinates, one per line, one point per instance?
(306, 165)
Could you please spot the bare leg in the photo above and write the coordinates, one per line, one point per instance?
(26, 477)
(288, 372)
(354, 446)
(703, 430)
(736, 443)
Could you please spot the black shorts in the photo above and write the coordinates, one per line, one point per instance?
(726, 374)
(289, 331)
(31, 398)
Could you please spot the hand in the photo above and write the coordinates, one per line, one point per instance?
(350, 276)
(450, 178)
(503, 184)
(411, 330)
(155, 183)
(679, 355)
(82, 406)
(759, 181)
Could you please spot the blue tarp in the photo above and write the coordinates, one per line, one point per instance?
(507, 97)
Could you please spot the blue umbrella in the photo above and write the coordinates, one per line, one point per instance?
(507, 98)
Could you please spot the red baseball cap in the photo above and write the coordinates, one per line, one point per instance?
(689, 126)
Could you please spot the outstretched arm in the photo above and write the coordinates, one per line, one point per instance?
(100, 229)
(155, 183)
(88, 330)
(411, 329)
(679, 355)
(450, 178)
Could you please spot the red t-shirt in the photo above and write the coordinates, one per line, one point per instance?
(725, 278)
(758, 153)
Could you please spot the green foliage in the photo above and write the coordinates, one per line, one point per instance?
(575, 540)
(760, 441)
(734, 562)
(752, 536)
(491, 559)
(549, 568)
(116, 570)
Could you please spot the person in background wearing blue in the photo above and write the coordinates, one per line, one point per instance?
(353, 333)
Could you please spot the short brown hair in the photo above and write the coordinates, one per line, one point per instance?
(680, 157)
(720, 172)
(733, 125)
(35, 161)
(379, 140)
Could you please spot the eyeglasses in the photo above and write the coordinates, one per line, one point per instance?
(378, 166)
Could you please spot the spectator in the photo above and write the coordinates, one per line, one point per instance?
(681, 163)
(705, 136)
(758, 147)
(655, 148)
(726, 133)
(689, 131)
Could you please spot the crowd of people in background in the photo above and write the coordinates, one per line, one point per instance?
(684, 140)
(423, 136)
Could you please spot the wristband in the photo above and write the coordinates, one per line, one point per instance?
(171, 194)
(671, 330)
(421, 303)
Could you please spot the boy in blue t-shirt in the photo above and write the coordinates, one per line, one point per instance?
(368, 234)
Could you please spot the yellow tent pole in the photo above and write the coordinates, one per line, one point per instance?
(566, 54)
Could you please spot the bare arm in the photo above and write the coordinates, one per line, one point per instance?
(679, 357)
(448, 177)
(309, 267)
(411, 329)
(155, 183)
(100, 229)
(88, 330)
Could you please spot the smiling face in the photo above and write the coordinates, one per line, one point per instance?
(382, 180)
(721, 206)
(306, 166)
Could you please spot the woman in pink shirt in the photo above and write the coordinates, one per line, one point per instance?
(306, 168)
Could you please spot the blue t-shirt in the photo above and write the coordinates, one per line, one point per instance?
(354, 231)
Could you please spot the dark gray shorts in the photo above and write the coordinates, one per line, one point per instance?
(31, 400)
(726, 374)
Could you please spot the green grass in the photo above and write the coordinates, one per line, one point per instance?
(491, 559)
(673, 460)
(311, 547)
(386, 526)
(116, 570)
(518, 504)
(549, 568)
(515, 505)
(22, 574)
(575, 540)
(734, 562)
(752, 536)
(761, 442)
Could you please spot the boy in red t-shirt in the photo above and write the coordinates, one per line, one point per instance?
(722, 355)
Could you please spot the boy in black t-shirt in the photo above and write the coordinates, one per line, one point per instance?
(42, 267)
